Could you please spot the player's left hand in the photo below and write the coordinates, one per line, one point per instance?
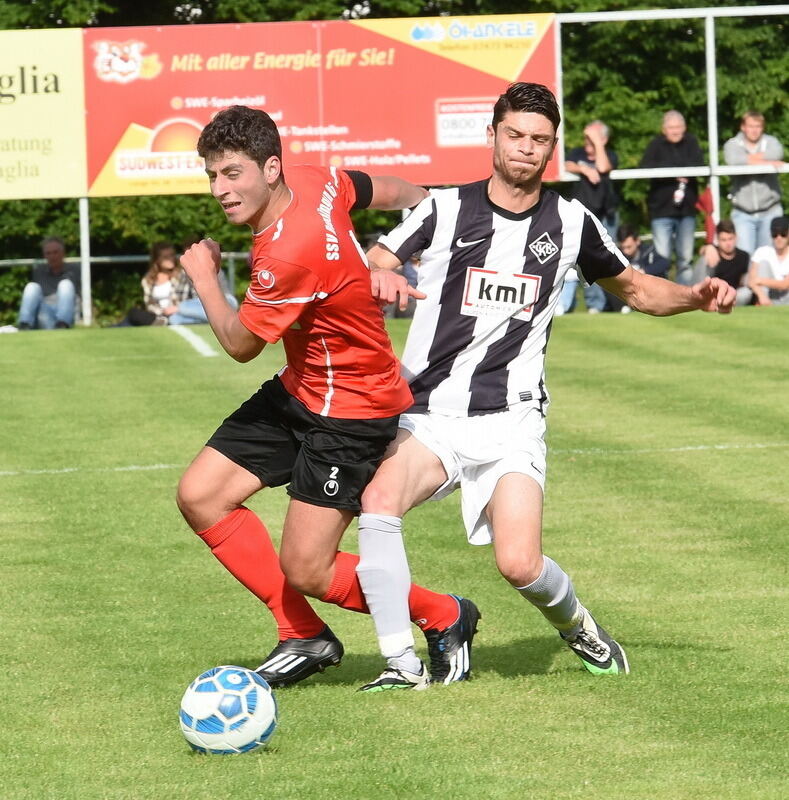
(389, 287)
(714, 294)
(202, 260)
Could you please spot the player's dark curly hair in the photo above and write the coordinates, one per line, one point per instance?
(239, 129)
(532, 97)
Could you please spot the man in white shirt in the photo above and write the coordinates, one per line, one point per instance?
(768, 276)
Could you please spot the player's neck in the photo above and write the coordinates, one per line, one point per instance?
(279, 200)
(514, 197)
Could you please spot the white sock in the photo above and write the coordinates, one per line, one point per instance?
(409, 661)
(386, 581)
(553, 594)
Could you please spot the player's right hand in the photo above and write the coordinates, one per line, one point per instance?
(202, 260)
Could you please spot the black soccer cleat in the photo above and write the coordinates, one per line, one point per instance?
(293, 660)
(450, 649)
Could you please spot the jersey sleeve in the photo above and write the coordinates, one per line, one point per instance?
(277, 296)
(363, 188)
(414, 233)
(598, 256)
(355, 188)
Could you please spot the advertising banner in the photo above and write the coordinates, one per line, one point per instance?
(42, 115)
(410, 97)
(117, 111)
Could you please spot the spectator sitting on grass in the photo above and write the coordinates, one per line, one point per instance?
(769, 271)
(726, 260)
(49, 300)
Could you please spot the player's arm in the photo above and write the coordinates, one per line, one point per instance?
(392, 194)
(659, 297)
(202, 262)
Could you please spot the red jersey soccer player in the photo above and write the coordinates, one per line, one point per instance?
(323, 423)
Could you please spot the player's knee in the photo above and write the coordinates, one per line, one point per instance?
(520, 569)
(378, 498)
(193, 503)
(303, 576)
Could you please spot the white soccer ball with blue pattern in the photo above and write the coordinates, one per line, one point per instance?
(228, 710)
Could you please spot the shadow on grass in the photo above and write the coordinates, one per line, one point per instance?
(531, 656)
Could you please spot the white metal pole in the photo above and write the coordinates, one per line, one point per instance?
(712, 113)
(84, 252)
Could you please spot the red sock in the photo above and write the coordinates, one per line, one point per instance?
(241, 543)
(428, 609)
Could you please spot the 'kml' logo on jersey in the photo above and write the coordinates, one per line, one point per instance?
(488, 293)
(543, 247)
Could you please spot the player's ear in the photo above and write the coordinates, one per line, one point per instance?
(272, 169)
(491, 135)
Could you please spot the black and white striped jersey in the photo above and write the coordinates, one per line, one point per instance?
(492, 279)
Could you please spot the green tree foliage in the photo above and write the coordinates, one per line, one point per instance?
(626, 73)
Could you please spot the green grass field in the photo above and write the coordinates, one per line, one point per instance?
(667, 501)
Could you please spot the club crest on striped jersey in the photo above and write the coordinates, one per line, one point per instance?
(489, 293)
(543, 247)
(266, 279)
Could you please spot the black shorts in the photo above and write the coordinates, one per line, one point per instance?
(326, 461)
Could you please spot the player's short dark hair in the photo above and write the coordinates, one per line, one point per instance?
(627, 232)
(533, 97)
(725, 226)
(239, 129)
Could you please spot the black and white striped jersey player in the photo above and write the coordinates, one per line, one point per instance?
(494, 254)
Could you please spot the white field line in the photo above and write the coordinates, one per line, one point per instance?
(593, 451)
(68, 470)
(190, 336)
(605, 451)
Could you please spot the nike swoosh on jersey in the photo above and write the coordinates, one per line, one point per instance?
(461, 243)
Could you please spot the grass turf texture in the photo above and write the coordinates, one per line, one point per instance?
(110, 606)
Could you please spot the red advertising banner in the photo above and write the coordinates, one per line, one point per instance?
(410, 97)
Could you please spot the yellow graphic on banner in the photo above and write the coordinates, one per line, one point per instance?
(42, 115)
(162, 160)
(499, 45)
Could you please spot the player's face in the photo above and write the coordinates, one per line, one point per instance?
(241, 187)
(523, 143)
(752, 129)
(727, 242)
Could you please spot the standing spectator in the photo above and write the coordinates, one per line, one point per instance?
(672, 201)
(50, 299)
(643, 257)
(769, 271)
(593, 162)
(756, 199)
(725, 260)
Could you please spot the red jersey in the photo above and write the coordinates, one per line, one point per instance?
(310, 287)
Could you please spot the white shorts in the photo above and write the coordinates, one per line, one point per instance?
(477, 451)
